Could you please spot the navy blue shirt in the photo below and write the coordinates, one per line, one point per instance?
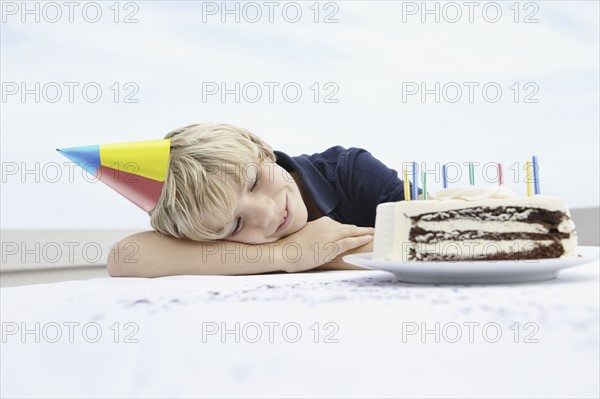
(346, 184)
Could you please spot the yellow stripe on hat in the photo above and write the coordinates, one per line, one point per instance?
(145, 158)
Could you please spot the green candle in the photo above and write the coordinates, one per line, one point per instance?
(424, 185)
(471, 174)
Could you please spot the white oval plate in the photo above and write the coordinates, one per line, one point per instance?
(476, 272)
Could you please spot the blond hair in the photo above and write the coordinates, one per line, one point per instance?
(203, 161)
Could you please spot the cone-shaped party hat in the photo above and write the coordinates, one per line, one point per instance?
(136, 170)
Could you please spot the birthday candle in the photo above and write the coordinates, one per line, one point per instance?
(536, 176)
(529, 178)
(471, 174)
(444, 176)
(406, 186)
(500, 177)
(424, 185)
(415, 186)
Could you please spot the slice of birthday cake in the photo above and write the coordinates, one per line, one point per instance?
(474, 223)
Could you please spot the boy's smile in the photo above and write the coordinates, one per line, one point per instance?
(269, 206)
(287, 217)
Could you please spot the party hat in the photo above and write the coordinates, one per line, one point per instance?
(136, 170)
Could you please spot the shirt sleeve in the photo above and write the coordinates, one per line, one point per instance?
(371, 183)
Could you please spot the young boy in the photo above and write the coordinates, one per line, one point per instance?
(231, 205)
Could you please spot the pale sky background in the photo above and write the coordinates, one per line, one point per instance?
(368, 54)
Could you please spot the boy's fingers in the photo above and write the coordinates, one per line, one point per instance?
(356, 228)
(349, 243)
(361, 231)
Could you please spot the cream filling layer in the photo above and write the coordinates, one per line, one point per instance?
(489, 227)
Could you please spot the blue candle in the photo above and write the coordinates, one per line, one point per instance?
(536, 176)
(444, 176)
(415, 187)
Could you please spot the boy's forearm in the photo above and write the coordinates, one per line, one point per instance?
(149, 254)
(338, 263)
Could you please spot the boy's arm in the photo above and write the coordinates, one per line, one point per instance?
(150, 254)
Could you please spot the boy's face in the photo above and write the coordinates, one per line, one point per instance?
(269, 205)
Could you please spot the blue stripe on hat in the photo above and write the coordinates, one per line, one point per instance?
(86, 157)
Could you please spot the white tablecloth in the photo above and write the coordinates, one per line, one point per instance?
(337, 333)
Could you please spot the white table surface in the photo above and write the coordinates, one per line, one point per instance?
(370, 316)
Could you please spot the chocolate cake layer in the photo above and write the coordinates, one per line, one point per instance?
(499, 214)
(555, 250)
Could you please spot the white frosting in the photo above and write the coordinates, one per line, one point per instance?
(468, 197)
(475, 193)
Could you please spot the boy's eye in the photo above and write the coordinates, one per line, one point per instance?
(255, 183)
(236, 229)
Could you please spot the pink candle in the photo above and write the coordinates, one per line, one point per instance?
(500, 179)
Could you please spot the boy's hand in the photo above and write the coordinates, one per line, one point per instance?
(322, 240)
